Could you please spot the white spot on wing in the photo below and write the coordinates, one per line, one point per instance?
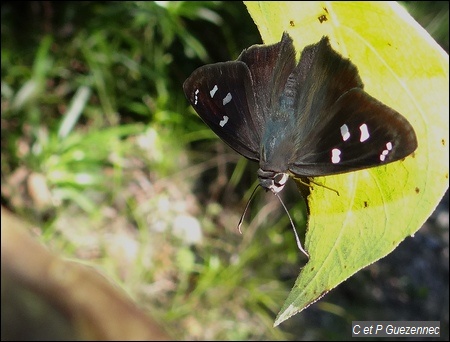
(224, 121)
(196, 96)
(345, 132)
(213, 91)
(364, 133)
(227, 99)
(335, 155)
(386, 151)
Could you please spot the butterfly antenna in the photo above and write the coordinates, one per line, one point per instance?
(246, 207)
(299, 244)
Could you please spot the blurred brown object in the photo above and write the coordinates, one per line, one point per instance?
(47, 298)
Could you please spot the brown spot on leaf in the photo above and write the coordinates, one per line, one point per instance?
(322, 18)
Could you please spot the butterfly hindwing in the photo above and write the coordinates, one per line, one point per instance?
(270, 67)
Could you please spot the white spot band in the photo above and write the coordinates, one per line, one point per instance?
(224, 121)
(227, 99)
(196, 96)
(386, 151)
(364, 133)
(335, 155)
(213, 91)
(345, 132)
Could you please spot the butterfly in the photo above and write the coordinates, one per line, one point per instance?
(306, 119)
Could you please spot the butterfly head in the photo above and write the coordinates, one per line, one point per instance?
(272, 180)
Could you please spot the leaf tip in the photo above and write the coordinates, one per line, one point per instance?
(290, 311)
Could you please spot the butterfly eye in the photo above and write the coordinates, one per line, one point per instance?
(280, 179)
(272, 181)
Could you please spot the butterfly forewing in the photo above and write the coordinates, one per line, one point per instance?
(361, 133)
(223, 97)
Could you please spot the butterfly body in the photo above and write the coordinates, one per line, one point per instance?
(311, 118)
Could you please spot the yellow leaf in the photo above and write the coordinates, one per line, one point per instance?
(402, 66)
